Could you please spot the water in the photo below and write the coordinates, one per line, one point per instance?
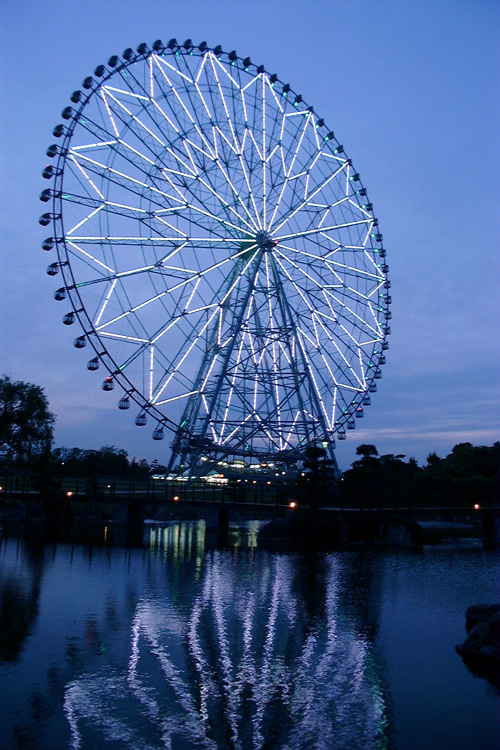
(181, 646)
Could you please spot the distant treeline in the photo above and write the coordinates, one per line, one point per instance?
(108, 461)
(468, 475)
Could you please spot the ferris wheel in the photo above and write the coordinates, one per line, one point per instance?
(220, 253)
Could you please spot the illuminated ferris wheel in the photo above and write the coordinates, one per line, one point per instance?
(220, 253)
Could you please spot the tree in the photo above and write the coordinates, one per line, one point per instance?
(318, 483)
(366, 451)
(26, 424)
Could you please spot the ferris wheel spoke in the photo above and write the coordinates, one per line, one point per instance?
(213, 157)
(86, 176)
(183, 357)
(272, 339)
(84, 220)
(349, 314)
(307, 200)
(322, 230)
(232, 385)
(319, 262)
(342, 355)
(218, 309)
(123, 180)
(207, 185)
(186, 111)
(87, 258)
(294, 157)
(213, 60)
(210, 154)
(306, 168)
(128, 312)
(312, 380)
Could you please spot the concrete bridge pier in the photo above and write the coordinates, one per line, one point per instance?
(491, 528)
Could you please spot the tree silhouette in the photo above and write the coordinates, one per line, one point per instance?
(319, 483)
(26, 424)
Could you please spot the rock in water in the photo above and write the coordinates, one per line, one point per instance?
(481, 649)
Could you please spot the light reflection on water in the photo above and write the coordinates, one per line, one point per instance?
(182, 645)
(250, 657)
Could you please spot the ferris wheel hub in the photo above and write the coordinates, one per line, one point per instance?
(265, 242)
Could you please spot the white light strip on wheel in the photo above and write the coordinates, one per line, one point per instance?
(362, 367)
(209, 372)
(135, 151)
(151, 78)
(334, 405)
(231, 434)
(162, 60)
(167, 118)
(132, 310)
(167, 177)
(287, 439)
(221, 95)
(136, 119)
(72, 157)
(304, 203)
(201, 332)
(103, 307)
(273, 93)
(231, 390)
(90, 257)
(247, 181)
(251, 229)
(287, 173)
(214, 60)
(128, 208)
(257, 147)
(346, 362)
(108, 109)
(264, 196)
(304, 298)
(120, 337)
(317, 230)
(187, 112)
(273, 349)
(330, 263)
(93, 213)
(350, 310)
(190, 172)
(126, 93)
(176, 398)
(192, 294)
(92, 145)
(202, 66)
(252, 226)
(178, 365)
(151, 365)
(311, 373)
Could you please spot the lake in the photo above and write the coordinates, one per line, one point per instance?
(178, 644)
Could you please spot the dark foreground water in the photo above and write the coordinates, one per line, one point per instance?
(181, 646)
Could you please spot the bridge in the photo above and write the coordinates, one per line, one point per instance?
(220, 503)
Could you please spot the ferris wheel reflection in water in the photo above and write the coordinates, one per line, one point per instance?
(241, 650)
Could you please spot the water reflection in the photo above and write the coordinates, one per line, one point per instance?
(231, 649)
(19, 596)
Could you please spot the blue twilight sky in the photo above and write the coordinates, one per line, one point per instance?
(411, 89)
